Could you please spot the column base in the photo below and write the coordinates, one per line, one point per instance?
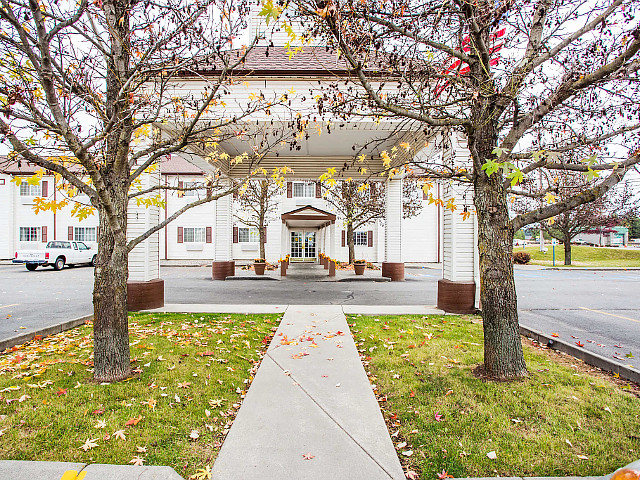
(223, 269)
(456, 297)
(393, 270)
(145, 295)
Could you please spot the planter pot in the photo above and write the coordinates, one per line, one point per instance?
(359, 268)
(259, 268)
(283, 269)
(326, 264)
(332, 268)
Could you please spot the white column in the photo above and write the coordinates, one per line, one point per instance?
(223, 246)
(332, 241)
(144, 259)
(459, 240)
(393, 221)
(284, 241)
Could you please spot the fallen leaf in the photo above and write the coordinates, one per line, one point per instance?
(194, 435)
(307, 456)
(61, 391)
(438, 417)
(133, 421)
(141, 449)
(411, 475)
(492, 455)
(100, 424)
(202, 474)
(580, 344)
(119, 434)
(137, 461)
(89, 444)
(444, 475)
(582, 457)
(407, 453)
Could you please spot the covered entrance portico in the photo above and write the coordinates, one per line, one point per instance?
(304, 233)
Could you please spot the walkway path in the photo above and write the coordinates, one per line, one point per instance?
(310, 412)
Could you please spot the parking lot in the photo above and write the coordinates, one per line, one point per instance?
(599, 309)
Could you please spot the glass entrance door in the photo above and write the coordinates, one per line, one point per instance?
(303, 245)
(310, 245)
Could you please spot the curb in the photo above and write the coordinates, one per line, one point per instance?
(594, 269)
(51, 330)
(590, 358)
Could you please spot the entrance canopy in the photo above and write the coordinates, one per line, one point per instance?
(308, 217)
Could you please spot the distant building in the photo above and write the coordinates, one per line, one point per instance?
(604, 237)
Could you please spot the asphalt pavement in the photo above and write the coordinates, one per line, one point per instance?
(598, 309)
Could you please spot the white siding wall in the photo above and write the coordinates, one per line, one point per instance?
(420, 234)
(17, 211)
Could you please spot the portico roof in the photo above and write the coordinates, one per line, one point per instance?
(307, 217)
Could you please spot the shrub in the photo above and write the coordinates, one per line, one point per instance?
(259, 260)
(521, 258)
(359, 261)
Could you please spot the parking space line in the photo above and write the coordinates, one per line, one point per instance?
(610, 314)
(7, 306)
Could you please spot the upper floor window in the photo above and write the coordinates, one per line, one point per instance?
(28, 190)
(29, 234)
(188, 186)
(304, 189)
(248, 235)
(84, 234)
(360, 238)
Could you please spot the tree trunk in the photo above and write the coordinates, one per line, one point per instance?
(261, 234)
(567, 251)
(110, 323)
(503, 356)
(350, 243)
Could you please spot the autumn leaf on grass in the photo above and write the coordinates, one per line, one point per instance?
(184, 384)
(202, 474)
(133, 421)
(61, 391)
(411, 475)
(444, 475)
(307, 456)
(194, 435)
(141, 449)
(119, 434)
(137, 461)
(89, 444)
(100, 424)
(438, 417)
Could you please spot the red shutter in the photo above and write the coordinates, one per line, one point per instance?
(235, 234)
(289, 190)
(318, 190)
(344, 238)
(208, 233)
(43, 235)
(45, 189)
(180, 235)
(70, 233)
(370, 238)
(180, 187)
(424, 195)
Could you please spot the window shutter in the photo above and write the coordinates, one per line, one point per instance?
(180, 187)
(289, 190)
(180, 235)
(45, 189)
(344, 238)
(235, 234)
(370, 238)
(43, 231)
(318, 190)
(208, 233)
(70, 233)
(424, 195)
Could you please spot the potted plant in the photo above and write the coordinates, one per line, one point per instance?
(359, 266)
(259, 265)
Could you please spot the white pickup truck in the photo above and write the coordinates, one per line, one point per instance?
(57, 253)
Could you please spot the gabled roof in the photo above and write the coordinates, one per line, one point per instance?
(274, 60)
(308, 216)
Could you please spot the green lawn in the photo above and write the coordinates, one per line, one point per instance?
(583, 256)
(563, 420)
(191, 373)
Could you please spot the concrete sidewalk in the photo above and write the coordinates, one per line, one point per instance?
(310, 412)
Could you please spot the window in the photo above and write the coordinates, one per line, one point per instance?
(84, 234)
(190, 193)
(29, 234)
(248, 235)
(27, 190)
(360, 238)
(304, 189)
(194, 235)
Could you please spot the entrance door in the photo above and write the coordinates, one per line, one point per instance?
(303, 245)
(310, 245)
